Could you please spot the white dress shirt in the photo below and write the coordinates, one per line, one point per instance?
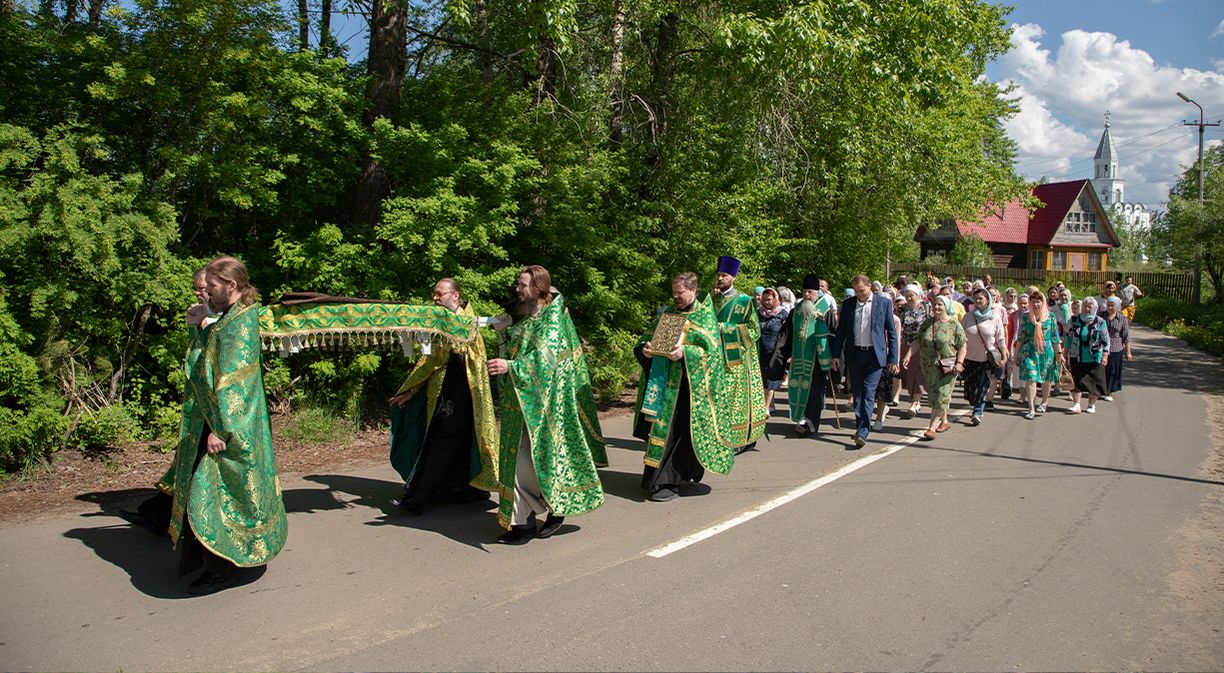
(862, 323)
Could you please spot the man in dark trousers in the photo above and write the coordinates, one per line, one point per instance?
(867, 342)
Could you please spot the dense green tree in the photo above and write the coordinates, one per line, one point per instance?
(971, 250)
(1191, 228)
(616, 143)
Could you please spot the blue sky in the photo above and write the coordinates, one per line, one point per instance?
(1073, 60)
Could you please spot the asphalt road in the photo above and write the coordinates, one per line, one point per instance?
(1068, 542)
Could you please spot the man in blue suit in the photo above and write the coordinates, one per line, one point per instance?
(868, 343)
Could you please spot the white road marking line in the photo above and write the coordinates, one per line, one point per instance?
(793, 494)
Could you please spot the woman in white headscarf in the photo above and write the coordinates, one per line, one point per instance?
(1086, 348)
(913, 313)
(1119, 346)
(941, 344)
(986, 340)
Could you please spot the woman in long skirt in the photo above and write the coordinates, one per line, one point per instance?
(1119, 346)
(941, 344)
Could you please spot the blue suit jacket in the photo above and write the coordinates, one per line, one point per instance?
(884, 338)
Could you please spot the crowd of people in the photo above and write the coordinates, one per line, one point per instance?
(713, 365)
(1026, 344)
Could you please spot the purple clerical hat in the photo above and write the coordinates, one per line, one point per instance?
(728, 265)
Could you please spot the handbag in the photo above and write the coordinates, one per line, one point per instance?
(948, 365)
(992, 356)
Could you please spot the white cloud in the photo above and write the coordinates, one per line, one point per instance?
(1067, 92)
(1219, 30)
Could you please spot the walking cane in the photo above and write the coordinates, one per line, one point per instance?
(836, 411)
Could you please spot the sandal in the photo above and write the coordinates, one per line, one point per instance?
(928, 435)
(943, 427)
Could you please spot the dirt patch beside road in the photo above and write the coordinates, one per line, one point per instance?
(1194, 601)
(79, 483)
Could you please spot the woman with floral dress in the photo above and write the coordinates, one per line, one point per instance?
(941, 345)
(1036, 352)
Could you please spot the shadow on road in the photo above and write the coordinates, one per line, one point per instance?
(624, 485)
(307, 500)
(630, 444)
(1061, 463)
(461, 523)
(1158, 365)
(109, 501)
(151, 565)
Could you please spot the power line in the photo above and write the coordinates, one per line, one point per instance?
(1128, 143)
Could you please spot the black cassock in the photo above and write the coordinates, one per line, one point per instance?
(679, 462)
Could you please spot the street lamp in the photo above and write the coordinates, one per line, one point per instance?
(1198, 254)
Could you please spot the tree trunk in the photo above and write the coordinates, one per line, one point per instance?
(546, 69)
(115, 394)
(325, 28)
(95, 12)
(70, 11)
(303, 26)
(662, 68)
(616, 75)
(387, 56)
(484, 58)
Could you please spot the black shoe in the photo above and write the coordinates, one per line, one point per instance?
(664, 495)
(141, 521)
(517, 535)
(990, 405)
(859, 442)
(409, 505)
(551, 524)
(468, 495)
(209, 583)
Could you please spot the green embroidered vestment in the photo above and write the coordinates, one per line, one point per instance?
(232, 498)
(707, 374)
(410, 424)
(744, 399)
(547, 392)
(811, 345)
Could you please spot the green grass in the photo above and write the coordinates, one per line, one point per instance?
(1200, 326)
(313, 425)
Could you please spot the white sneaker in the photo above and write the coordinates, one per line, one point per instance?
(1108, 398)
(1091, 409)
(877, 426)
(1074, 408)
(1041, 409)
(1028, 415)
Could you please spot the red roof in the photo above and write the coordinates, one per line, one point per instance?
(1011, 223)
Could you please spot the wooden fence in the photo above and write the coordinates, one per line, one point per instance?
(1168, 284)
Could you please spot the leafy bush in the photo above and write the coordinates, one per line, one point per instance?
(1200, 326)
(314, 425)
(971, 250)
(105, 428)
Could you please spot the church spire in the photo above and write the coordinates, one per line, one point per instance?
(1105, 168)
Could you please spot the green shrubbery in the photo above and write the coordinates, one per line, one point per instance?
(1200, 326)
(164, 134)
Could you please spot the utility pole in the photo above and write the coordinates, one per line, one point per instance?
(1198, 254)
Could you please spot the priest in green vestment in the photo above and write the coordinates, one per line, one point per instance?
(805, 345)
(551, 441)
(227, 511)
(443, 432)
(740, 330)
(682, 370)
